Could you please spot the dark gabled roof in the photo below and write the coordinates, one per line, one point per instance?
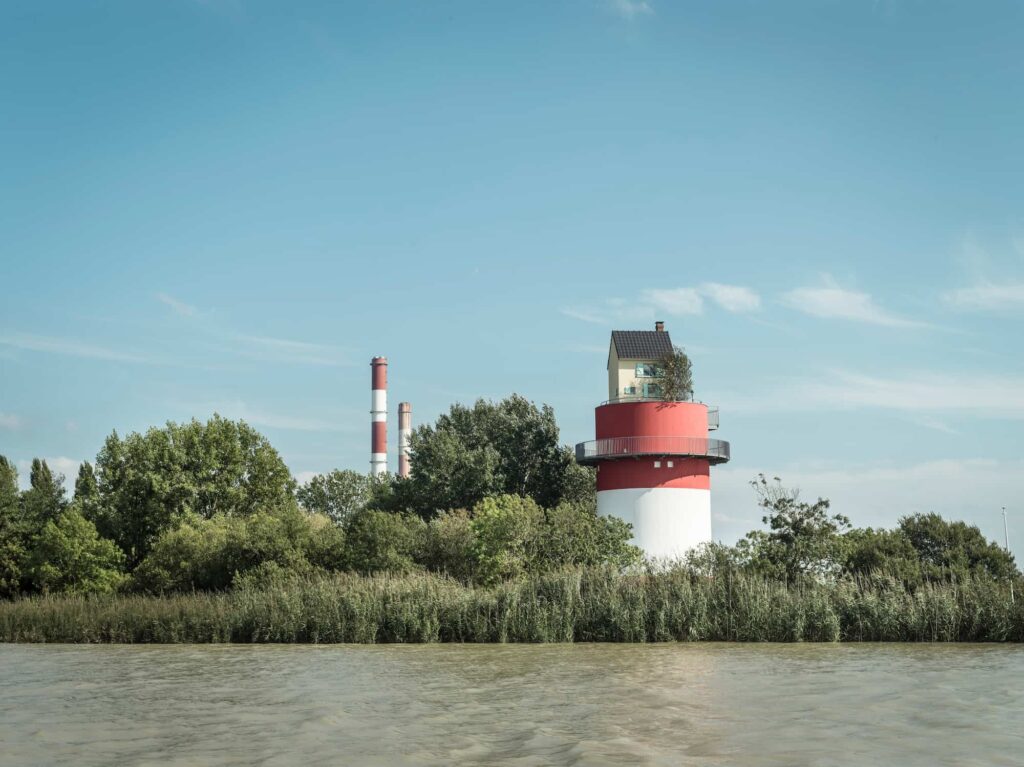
(641, 344)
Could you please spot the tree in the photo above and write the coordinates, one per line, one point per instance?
(881, 551)
(86, 488)
(12, 538)
(381, 541)
(147, 483)
(506, 529)
(508, 447)
(87, 495)
(573, 535)
(211, 554)
(949, 550)
(674, 376)
(70, 556)
(449, 545)
(338, 494)
(803, 538)
(513, 537)
(44, 500)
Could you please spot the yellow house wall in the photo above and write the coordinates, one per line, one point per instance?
(613, 372)
(622, 373)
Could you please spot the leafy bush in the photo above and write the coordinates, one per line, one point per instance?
(507, 531)
(69, 556)
(449, 546)
(381, 541)
(148, 482)
(208, 554)
(337, 494)
(509, 447)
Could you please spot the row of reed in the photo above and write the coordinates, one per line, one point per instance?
(585, 605)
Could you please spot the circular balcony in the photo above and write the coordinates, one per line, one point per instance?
(614, 448)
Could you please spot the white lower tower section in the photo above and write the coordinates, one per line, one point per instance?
(667, 522)
(379, 415)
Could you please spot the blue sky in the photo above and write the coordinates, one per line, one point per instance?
(231, 206)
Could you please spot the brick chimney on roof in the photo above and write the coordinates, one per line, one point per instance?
(659, 326)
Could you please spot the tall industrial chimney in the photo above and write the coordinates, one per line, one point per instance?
(379, 416)
(404, 437)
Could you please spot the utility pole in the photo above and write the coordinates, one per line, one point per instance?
(1006, 545)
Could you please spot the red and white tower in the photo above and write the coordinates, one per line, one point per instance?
(379, 415)
(404, 437)
(653, 457)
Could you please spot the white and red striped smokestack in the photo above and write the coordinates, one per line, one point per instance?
(379, 416)
(404, 437)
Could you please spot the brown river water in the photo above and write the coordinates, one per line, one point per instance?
(672, 704)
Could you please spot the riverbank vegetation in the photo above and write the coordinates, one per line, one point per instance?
(581, 605)
(198, 532)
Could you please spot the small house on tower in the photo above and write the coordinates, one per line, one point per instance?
(652, 453)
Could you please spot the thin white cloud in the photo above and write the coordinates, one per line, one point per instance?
(585, 315)
(255, 416)
(987, 296)
(631, 9)
(834, 302)
(10, 421)
(732, 298)
(613, 311)
(72, 348)
(675, 301)
(288, 350)
(922, 392)
(179, 307)
(935, 424)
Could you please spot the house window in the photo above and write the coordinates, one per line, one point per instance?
(652, 390)
(646, 370)
(669, 464)
(629, 390)
(657, 464)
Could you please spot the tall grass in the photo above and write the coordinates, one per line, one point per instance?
(577, 605)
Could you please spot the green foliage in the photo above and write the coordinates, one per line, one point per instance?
(579, 485)
(867, 551)
(805, 540)
(209, 554)
(44, 500)
(572, 534)
(581, 605)
(337, 494)
(802, 539)
(955, 549)
(381, 541)
(449, 546)
(469, 454)
(513, 537)
(12, 533)
(86, 488)
(674, 376)
(147, 483)
(69, 556)
(506, 529)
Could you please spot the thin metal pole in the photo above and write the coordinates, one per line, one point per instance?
(1006, 545)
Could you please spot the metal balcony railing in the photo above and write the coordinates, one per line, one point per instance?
(713, 450)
